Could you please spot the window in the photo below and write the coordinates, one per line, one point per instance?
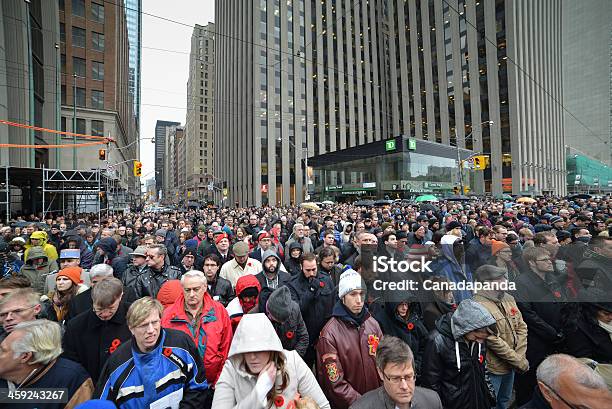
(63, 124)
(62, 32)
(80, 97)
(97, 128)
(63, 58)
(62, 6)
(78, 37)
(79, 67)
(97, 99)
(78, 8)
(81, 126)
(97, 70)
(97, 12)
(63, 91)
(97, 41)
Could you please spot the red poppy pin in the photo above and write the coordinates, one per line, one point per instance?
(453, 307)
(372, 344)
(557, 294)
(481, 358)
(513, 311)
(249, 264)
(279, 401)
(410, 326)
(321, 284)
(167, 352)
(114, 345)
(289, 334)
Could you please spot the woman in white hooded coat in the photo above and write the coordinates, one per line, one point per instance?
(260, 374)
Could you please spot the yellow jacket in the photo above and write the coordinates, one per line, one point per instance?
(49, 249)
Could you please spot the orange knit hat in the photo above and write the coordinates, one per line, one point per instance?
(73, 273)
(497, 245)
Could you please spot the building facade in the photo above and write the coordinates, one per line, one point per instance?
(587, 87)
(133, 14)
(95, 87)
(325, 76)
(174, 186)
(161, 130)
(199, 125)
(260, 101)
(29, 80)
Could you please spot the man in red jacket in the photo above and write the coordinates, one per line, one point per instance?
(204, 320)
(346, 350)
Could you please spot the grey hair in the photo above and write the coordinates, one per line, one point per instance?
(393, 350)
(106, 292)
(161, 249)
(194, 273)
(29, 296)
(43, 338)
(101, 270)
(553, 366)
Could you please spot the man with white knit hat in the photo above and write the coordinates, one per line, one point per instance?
(346, 349)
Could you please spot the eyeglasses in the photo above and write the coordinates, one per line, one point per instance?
(569, 405)
(544, 259)
(396, 380)
(17, 311)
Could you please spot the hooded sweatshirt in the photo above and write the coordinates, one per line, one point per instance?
(293, 264)
(236, 388)
(38, 274)
(237, 307)
(454, 367)
(49, 249)
(455, 270)
(281, 278)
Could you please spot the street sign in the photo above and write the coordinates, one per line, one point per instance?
(211, 186)
(390, 145)
(411, 144)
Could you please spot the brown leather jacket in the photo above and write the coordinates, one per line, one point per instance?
(507, 349)
(346, 351)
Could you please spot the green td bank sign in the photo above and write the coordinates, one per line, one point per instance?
(390, 145)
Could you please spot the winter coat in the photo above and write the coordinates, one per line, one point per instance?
(236, 386)
(232, 271)
(149, 282)
(433, 310)
(212, 334)
(60, 373)
(131, 274)
(90, 341)
(10, 267)
(234, 308)
(305, 242)
(595, 271)
(411, 331)
(48, 248)
(221, 290)
(477, 254)
(134, 380)
(589, 340)
(282, 276)
(543, 305)
(316, 299)
(61, 313)
(380, 399)
(293, 265)
(506, 350)
(82, 302)
(447, 265)
(38, 275)
(461, 382)
(346, 352)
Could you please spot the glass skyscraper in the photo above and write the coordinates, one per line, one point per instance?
(133, 15)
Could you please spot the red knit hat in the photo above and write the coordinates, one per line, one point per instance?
(497, 245)
(169, 292)
(73, 274)
(221, 237)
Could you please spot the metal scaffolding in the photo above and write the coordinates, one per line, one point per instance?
(5, 193)
(82, 191)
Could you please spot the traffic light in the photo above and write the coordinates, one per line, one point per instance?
(137, 168)
(102, 154)
(478, 162)
(456, 190)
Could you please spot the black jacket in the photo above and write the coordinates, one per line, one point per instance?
(464, 388)
(82, 302)
(283, 278)
(411, 331)
(589, 340)
(221, 290)
(131, 275)
(546, 312)
(89, 341)
(316, 299)
(149, 282)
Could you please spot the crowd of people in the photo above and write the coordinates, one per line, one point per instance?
(283, 307)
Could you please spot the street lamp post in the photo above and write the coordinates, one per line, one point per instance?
(304, 149)
(459, 161)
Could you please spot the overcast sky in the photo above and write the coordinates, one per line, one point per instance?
(164, 74)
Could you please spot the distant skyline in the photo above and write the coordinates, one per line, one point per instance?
(165, 74)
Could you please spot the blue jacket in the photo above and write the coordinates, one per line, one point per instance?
(446, 265)
(130, 378)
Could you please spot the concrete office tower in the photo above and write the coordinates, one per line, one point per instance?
(456, 66)
(95, 86)
(29, 80)
(260, 100)
(199, 126)
(174, 164)
(587, 77)
(161, 131)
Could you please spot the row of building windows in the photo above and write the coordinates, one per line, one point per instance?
(79, 68)
(78, 10)
(80, 99)
(79, 38)
(97, 127)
